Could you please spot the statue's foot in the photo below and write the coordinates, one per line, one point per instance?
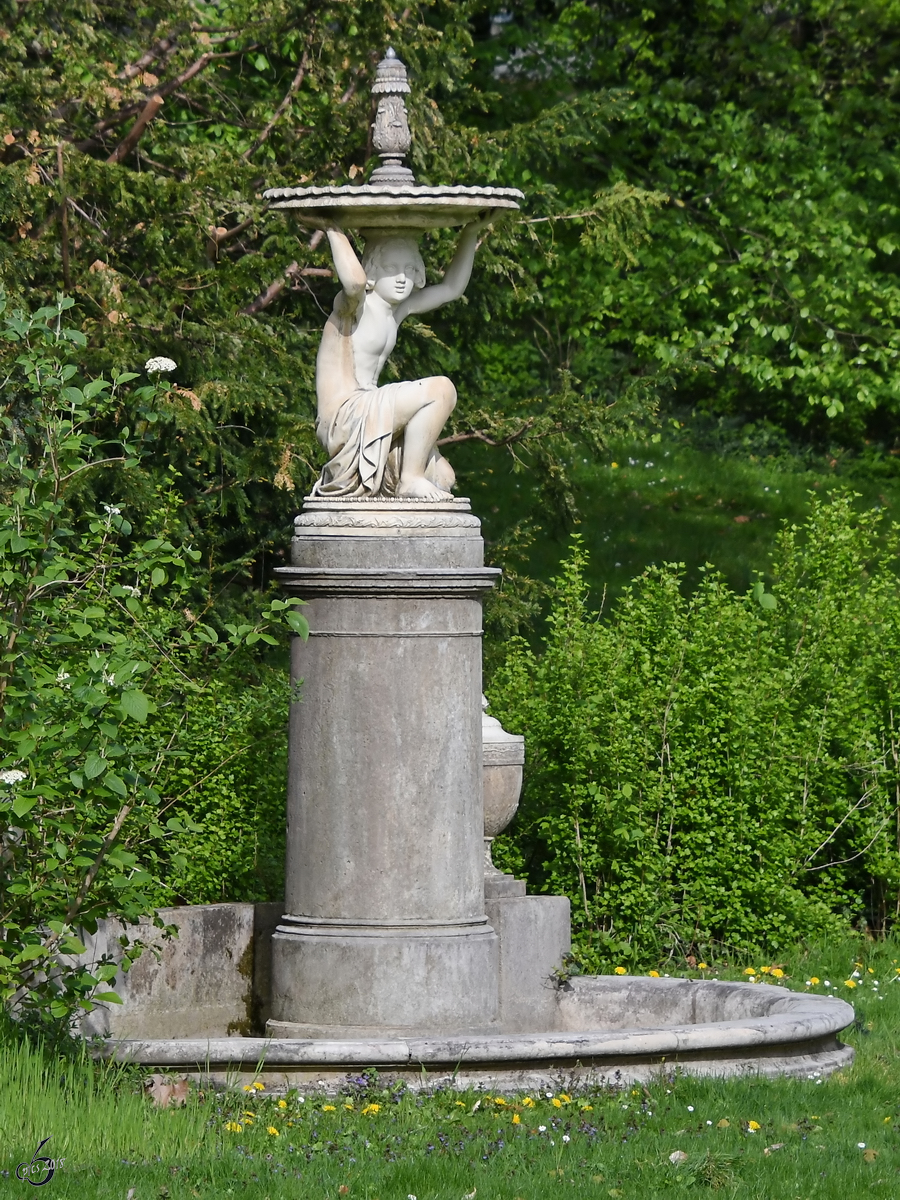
(417, 487)
(440, 472)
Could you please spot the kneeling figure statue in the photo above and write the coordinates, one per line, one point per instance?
(383, 440)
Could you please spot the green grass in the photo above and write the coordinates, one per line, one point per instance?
(445, 1145)
(673, 502)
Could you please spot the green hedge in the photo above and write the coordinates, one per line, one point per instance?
(716, 771)
(230, 779)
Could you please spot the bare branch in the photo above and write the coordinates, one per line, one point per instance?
(90, 220)
(478, 435)
(274, 290)
(163, 49)
(63, 218)
(288, 96)
(218, 236)
(131, 139)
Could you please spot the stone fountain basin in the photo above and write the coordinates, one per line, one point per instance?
(611, 1029)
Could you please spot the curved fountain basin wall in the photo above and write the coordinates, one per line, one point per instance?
(611, 1029)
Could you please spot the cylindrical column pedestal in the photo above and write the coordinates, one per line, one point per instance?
(385, 929)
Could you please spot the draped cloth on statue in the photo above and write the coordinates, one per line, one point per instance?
(365, 461)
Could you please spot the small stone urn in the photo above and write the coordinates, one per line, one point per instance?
(504, 759)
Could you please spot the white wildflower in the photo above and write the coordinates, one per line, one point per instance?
(108, 679)
(136, 592)
(12, 776)
(542, 1128)
(62, 676)
(111, 510)
(566, 1137)
(157, 365)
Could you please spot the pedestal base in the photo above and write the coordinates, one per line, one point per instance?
(360, 981)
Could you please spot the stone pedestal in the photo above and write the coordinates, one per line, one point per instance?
(385, 928)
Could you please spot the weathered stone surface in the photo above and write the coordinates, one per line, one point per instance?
(384, 924)
(768, 1031)
(534, 937)
(209, 981)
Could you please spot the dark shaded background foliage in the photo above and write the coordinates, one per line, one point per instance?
(754, 143)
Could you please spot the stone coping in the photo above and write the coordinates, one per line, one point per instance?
(804, 1021)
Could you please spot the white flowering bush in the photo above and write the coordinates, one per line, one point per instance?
(100, 650)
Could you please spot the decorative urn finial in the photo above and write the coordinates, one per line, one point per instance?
(391, 136)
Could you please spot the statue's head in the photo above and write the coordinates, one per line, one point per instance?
(393, 267)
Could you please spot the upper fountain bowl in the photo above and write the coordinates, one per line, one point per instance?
(385, 206)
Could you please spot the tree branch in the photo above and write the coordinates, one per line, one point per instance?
(274, 290)
(131, 139)
(63, 218)
(130, 109)
(219, 236)
(480, 436)
(288, 96)
(163, 48)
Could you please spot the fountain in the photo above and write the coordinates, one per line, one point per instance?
(399, 944)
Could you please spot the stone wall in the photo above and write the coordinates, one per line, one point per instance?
(212, 980)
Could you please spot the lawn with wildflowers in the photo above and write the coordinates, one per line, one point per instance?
(809, 1138)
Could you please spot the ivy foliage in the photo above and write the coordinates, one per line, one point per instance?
(718, 772)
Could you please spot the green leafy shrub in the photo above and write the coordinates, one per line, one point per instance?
(103, 669)
(228, 788)
(718, 769)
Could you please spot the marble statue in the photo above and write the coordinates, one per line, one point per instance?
(382, 440)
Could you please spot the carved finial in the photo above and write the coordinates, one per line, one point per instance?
(391, 136)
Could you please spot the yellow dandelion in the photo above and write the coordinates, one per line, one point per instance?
(565, 1097)
(259, 1087)
(517, 1120)
(754, 1126)
(234, 1127)
(527, 1101)
(614, 466)
(270, 1129)
(248, 1087)
(777, 973)
(587, 1108)
(282, 1103)
(374, 1108)
(328, 1108)
(871, 970)
(850, 983)
(459, 1103)
(887, 1120)
(499, 1100)
(702, 967)
(749, 971)
(621, 970)
(249, 1115)
(653, 974)
(349, 1107)
(557, 1103)
(813, 979)
(765, 970)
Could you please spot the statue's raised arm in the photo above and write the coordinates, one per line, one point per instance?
(383, 439)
